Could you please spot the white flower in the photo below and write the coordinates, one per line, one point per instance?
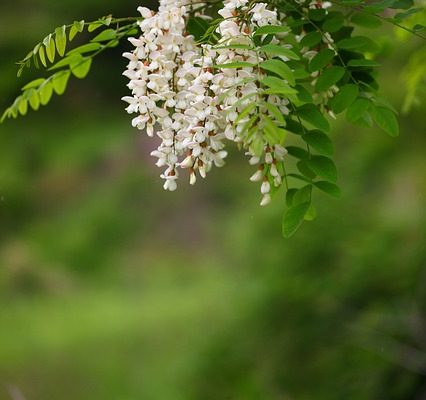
(257, 176)
(266, 199)
(266, 187)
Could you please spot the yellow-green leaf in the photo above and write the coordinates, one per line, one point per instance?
(60, 81)
(42, 55)
(80, 67)
(45, 93)
(49, 44)
(34, 99)
(61, 40)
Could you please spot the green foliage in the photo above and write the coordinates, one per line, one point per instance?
(76, 61)
(339, 77)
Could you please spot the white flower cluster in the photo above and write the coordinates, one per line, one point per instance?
(191, 104)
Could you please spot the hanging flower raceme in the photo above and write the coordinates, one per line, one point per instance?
(188, 96)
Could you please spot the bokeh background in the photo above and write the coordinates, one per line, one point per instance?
(112, 289)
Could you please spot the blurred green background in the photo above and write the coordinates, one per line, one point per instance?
(112, 289)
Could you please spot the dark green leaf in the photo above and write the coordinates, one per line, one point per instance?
(321, 60)
(366, 20)
(363, 63)
(361, 43)
(298, 152)
(293, 219)
(311, 114)
(289, 196)
(333, 23)
(329, 77)
(386, 120)
(357, 109)
(311, 39)
(319, 141)
(329, 188)
(344, 98)
(324, 167)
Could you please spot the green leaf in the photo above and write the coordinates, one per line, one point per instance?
(293, 219)
(406, 14)
(306, 177)
(329, 188)
(319, 141)
(77, 26)
(273, 134)
(49, 43)
(246, 111)
(321, 60)
(329, 77)
(357, 109)
(45, 93)
(324, 167)
(386, 120)
(361, 43)
(317, 14)
(311, 214)
(362, 62)
(277, 50)
(297, 152)
(344, 98)
(85, 48)
(42, 55)
(334, 22)
(106, 35)
(271, 30)
(80, 67)
(303, 94)
(289, 196)
(278, 85)
(311, 114)
(276, 112)
(366, 20)
(34, 84)
(237, 64)
(93, 26)
(22, 105)
(303, 195)
(311, 39)
(60, 81)
(34, 99)
(61, 40)
(68, 60)
(280, 68)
